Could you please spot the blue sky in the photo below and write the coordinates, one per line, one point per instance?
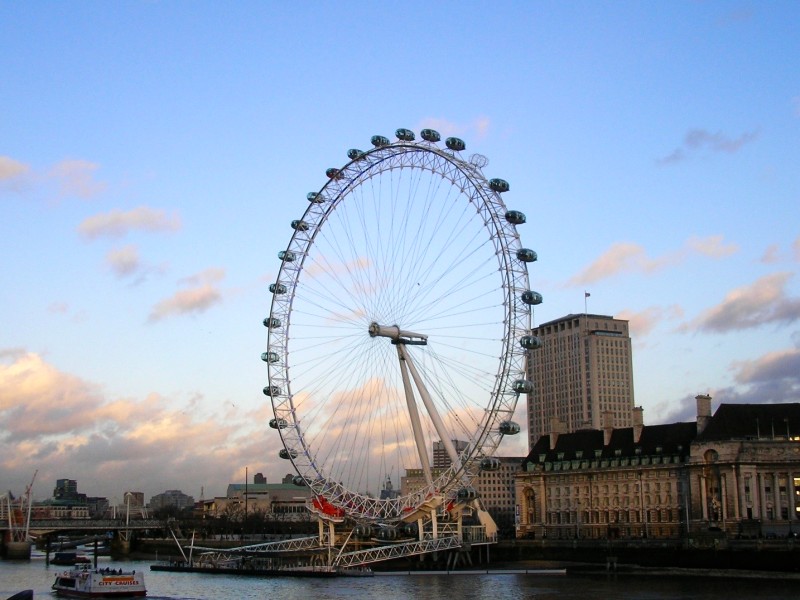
(152, 155)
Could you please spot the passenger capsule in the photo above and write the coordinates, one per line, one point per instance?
(286, 255)
(530, 342)
(411, 529)
(455, 143)
(299, 480)
(523, 386)
(526, 255)
(270, 357)
(333, 173)
(272, 323)
(287, 454)
(355, 154)
(277, 288)
(315, 197)
(509, 428)
(499, 185)
(278, 423)
(515, 217)
(362, 531)
(387, 534)
(531, 297)
(490, 463)
(299, 225)
(430, 135)
(272, 391)
(405, 135)
(379, 140)
(467, 493)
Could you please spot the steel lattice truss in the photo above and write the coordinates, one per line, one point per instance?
(373, 555)
(501, 403)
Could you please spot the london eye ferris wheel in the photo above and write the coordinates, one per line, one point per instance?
(399, 318)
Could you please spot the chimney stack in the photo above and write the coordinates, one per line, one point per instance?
(638, 423)
(703, 411)
(608, 426)
(556, 428)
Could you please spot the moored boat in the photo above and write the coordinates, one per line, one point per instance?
(69, 558)
(101, 583)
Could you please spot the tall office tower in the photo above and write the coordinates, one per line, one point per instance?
(582, 376)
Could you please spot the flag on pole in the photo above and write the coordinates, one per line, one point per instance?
(587, 294)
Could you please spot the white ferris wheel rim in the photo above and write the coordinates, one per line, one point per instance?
(290, 394)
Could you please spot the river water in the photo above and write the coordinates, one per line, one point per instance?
(19, 575)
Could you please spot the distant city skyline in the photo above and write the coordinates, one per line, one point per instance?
(153, 155)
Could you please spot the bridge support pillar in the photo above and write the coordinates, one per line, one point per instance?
(18, 550)
(121, 547)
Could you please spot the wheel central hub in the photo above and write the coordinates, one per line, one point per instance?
(397, 335)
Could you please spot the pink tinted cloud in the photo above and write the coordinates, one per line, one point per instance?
(762, 302)
(77, 178)
(123, 261)
(65, 426)
(627, 257)
(643, 322)
(117, 223)
(201, 295)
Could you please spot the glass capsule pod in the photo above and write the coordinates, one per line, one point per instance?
(299, 225)
(515, 217)
(272, 323)
(467, 493)
(315, 197)
(333, 173)
(523, 386)
(299, 481)
(530, 342)
(411, 529)
(379, 140)
(362, 531)
(531, 298)
(387, 533)
(430, 135)
(278, 423)
(526, 255)
(287, 454)
(455, 143)
(287, 255)
(509, 428)
(277, 288)
(270, 357)
(405, 135)
(355, 154)
(272, 390)
(499, 185)
(490, 463)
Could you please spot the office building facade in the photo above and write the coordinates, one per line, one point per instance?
(582, 374)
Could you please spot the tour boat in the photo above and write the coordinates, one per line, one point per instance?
(100, 583)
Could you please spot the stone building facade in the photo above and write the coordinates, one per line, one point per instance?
(736, 472)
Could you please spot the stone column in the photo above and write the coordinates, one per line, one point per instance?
(723, 497)
(790, 491)
(762, 508)
(737, 495)
(703, 497)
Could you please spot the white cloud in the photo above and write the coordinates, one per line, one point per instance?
(201, 295)
(118, 223)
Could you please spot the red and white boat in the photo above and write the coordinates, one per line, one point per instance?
(100, 583)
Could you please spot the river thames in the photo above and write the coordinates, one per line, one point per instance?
(19, 575)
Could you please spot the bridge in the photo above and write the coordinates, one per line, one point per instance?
(48, 526)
